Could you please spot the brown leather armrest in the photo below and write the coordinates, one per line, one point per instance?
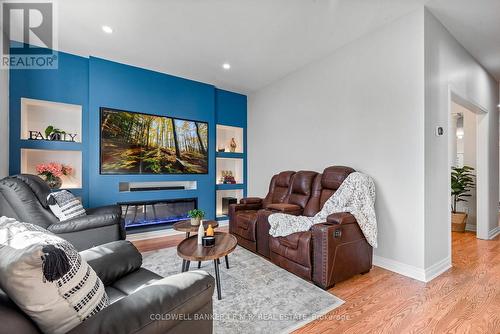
(251, 200)
(285, 208)
(342, 218)
(340, 250)
(234, 208)
(240, 207)
(324, 244)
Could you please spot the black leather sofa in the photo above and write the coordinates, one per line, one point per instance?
(141, 301)
(24, 197)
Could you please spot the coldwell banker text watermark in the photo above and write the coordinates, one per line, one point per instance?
(28, 35)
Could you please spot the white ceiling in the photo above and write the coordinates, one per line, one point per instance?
(263, 40)
(476, 25)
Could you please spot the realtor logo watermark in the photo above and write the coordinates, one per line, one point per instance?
(29, 35)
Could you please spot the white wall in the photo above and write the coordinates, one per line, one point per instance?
(4, 123)
(363, 107)
(449, 65)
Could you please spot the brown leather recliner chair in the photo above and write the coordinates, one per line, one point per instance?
(326, 254)
(329, 252)
(243, 216)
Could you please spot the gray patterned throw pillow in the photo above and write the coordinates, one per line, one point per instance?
(47, 278)
(65, 205)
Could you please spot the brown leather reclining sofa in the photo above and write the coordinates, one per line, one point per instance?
(329, 252)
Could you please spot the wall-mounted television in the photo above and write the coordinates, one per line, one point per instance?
(137, 143)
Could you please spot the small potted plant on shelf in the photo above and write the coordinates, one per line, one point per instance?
(462, 182)
(53, 133)
(196, 216)
(52, 172)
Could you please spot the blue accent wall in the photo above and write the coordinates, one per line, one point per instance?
(231, 108)
(130, 88)
(68, 84)
(94, 83)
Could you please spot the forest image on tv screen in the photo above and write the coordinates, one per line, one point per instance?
(134, 143)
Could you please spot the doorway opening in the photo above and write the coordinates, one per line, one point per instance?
(463, 162)
(466, 147)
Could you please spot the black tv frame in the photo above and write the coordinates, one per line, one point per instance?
(101, 109)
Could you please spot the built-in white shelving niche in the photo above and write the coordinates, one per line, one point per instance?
(225, 134)
(30, 158)
(37, 115)
(234, 165)
(237, 193)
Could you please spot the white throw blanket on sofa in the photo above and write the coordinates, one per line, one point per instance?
(355, 195)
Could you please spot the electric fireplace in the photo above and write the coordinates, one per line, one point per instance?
(158, 212)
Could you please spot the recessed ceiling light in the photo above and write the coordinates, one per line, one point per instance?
(226, 66)
(107, 29)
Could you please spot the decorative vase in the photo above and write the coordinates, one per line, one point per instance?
(201, 234)
(233, 145)
(210, 231)
(54, 182)
(458, 221)
(195, 221)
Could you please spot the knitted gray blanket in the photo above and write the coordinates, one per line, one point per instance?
(355, 195)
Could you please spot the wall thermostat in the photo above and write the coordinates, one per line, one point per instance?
(439, 131)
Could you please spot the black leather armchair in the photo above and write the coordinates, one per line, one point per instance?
(24, 197)
(140, 300)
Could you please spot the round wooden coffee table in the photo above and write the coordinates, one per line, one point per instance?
(185, 226)
(189, 250)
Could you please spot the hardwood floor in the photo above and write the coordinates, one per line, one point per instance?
(465, 299)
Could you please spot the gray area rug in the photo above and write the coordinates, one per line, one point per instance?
(257, 296)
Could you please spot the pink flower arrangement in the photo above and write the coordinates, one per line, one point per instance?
(53, 169)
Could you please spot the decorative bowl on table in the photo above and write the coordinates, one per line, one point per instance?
(208, 241)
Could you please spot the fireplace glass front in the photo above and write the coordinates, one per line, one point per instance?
(148, 213)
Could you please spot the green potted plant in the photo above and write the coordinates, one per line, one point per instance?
(52, 133)
(462, 182)
(196, 216)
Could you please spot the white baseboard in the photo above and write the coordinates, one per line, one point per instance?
(494, 232)
(437, 269)
(471, 227)
(423, 275)
(399, 267)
